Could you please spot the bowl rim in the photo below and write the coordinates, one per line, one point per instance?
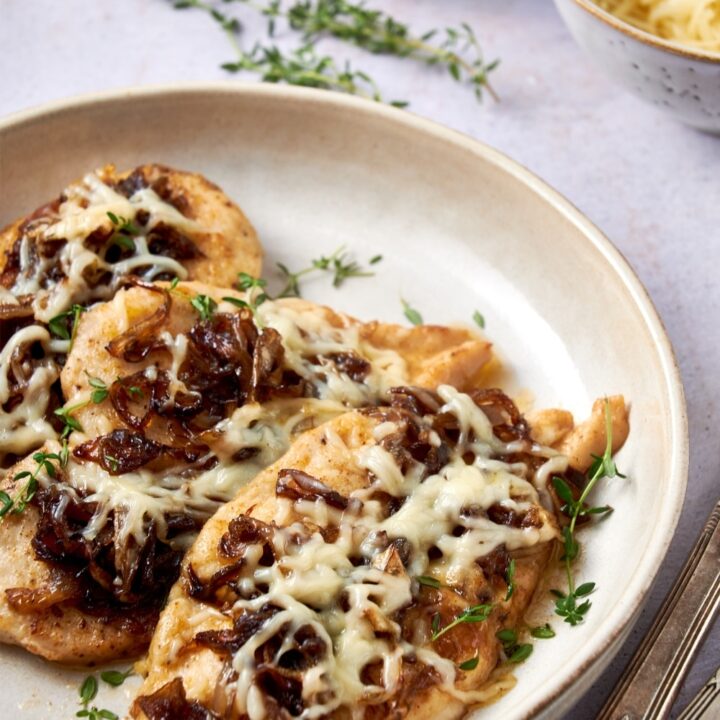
(707, 56)
(617, 623)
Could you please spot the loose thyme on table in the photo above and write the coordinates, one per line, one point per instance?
(456, 49)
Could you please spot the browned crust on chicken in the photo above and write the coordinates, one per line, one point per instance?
(63, 632)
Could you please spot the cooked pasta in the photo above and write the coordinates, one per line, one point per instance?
(688, 22)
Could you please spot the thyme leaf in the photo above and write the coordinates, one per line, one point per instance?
(253, 287)
(479, 319)
(204, 305)
(115, 678)
(544, 632)
(428, 581)
(520, 653)
(100, 389)
(88, 692)
(411, 313)
(510, 579)
(65, 324)
(125, 231)
(476, 613)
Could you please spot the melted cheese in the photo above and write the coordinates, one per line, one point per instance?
(311, 575)
(307, 334)
(24, 427)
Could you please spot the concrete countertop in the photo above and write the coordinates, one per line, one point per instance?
(651, 185)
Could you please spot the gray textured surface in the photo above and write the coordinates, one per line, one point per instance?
(653, 186)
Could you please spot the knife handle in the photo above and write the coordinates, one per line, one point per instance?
(651, 681)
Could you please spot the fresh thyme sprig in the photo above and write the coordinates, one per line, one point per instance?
(254, 287)
(339, 263)
(573, 605)
(456, 49)
(44, 461)
(88, 692)
(65, 324)
(378, 32)
(302, 66)
(100, 389)
(125, 231)
(204, 305)
(476, 613)
(99, 393)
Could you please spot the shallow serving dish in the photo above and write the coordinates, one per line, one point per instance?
(682, 81)
(461, 227)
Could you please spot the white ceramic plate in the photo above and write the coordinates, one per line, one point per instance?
(461, 227)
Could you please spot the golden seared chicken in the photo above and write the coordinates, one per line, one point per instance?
(366, 573)
(152, 223)
(174, 399)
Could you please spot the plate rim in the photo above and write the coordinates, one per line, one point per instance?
(678, 463)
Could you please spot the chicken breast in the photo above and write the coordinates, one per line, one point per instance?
(153, 221)
(34, 611)
(369, 358)
(145, 472)
(339, 578)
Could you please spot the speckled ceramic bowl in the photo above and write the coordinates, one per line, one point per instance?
(682, 81)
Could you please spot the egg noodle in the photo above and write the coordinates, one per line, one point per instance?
(695, 23)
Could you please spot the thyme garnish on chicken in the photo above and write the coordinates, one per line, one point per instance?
(255, 289)
(476, 613)
(65, 324)
(204, 305)
(44, 461)
(573, 605)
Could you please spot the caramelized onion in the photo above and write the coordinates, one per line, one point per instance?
(122, 451)
(122, 574)
(170, 703)
(298, 485)
(508, 423)
(169, 242)
(140, 339)
(63, 587)
(357, 368)
(247, 624)
(244, 531)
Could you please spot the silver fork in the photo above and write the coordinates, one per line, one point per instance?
(653, 678)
